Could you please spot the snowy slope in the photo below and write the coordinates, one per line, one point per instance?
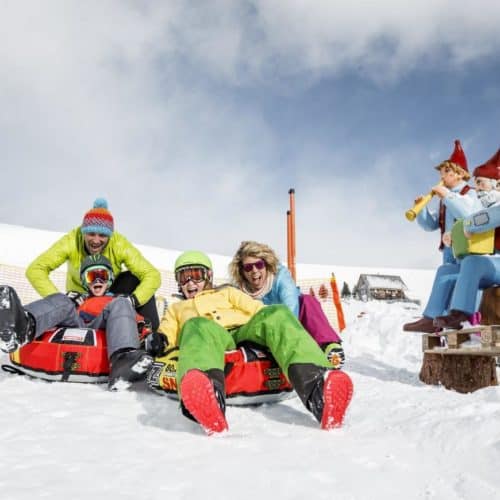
(401, 439)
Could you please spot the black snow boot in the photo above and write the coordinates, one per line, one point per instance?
(127, 366)
(17, 326)
(304, 378)
(325, 393)
(203, 399)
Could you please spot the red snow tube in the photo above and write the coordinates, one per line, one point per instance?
(252, 376)
(65, 354)
(80, 355)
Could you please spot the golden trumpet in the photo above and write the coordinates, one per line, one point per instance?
(411, 214)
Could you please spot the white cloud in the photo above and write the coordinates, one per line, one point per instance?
(133, 101)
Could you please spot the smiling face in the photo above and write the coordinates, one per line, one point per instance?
(192, 289)
(254, 271)
(193, 279)
(95, 242)
(97, 280)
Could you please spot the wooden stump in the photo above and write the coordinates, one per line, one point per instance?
(430, 373)
(458, 369)
(462, 373)
(490, 306)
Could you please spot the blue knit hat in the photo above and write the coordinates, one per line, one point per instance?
(98, 219)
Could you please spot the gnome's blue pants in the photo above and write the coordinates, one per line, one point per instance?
(459, 286)
(477, 272)
(442, 289)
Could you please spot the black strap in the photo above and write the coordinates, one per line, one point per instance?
(12, 369)
(69, 360)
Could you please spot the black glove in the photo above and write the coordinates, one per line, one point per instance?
(156, 344)
(132, 298)
(77, 297)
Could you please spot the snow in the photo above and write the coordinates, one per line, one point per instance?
(401, 438)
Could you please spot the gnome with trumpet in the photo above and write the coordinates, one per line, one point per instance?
(457, 200)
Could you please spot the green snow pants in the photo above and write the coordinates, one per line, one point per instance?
(203, 342)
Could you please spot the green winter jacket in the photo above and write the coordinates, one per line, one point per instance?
(70, 248)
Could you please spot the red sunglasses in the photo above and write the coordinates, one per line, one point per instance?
(260, 264)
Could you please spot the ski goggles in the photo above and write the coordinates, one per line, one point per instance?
(98, 275)
(194, 274)
(260, 264)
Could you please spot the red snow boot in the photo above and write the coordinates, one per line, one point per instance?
(337, 394)
(204, 401)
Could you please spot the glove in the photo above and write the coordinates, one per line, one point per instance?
(132, 298)
(335, 354)
(77, 297)
(144, 328)
(156, 344)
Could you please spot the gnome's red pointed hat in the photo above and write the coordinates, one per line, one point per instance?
(490, 169)
(457, 160)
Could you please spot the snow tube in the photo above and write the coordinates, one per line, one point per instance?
(64, 354)
(252, 376)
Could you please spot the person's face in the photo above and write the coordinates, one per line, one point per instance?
(449, 177)
(192, 289)
(254, 271)
(100, 281)
(483, 184)
(193, 280)
(95, 242)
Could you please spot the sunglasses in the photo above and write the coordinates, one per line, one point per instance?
(194, 274)
(97, 275)
(260, 264)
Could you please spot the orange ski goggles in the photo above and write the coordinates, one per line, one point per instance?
(194, 274)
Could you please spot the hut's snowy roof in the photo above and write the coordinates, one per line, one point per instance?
(384, 281)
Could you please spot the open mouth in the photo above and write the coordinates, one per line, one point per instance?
(191, 291)
(95, 248)
(256, 280)
(97, 288)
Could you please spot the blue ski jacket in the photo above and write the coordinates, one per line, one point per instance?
(284, 291)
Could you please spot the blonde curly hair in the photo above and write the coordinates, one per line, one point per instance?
(456, 168)
(256, 250)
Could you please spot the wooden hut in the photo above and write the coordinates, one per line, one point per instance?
(380, 287)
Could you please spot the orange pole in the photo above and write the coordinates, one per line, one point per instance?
(288, 242)
(337, 303)
(291, 192)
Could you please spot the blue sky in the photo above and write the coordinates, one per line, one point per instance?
(195, 118)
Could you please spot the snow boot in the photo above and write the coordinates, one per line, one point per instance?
(128, 366)
(330, 398)
(454, 320)
(325, 393)
(423, 325)
(17, 326)
(202, 396)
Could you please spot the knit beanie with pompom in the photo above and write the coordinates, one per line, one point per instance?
(98, 219)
